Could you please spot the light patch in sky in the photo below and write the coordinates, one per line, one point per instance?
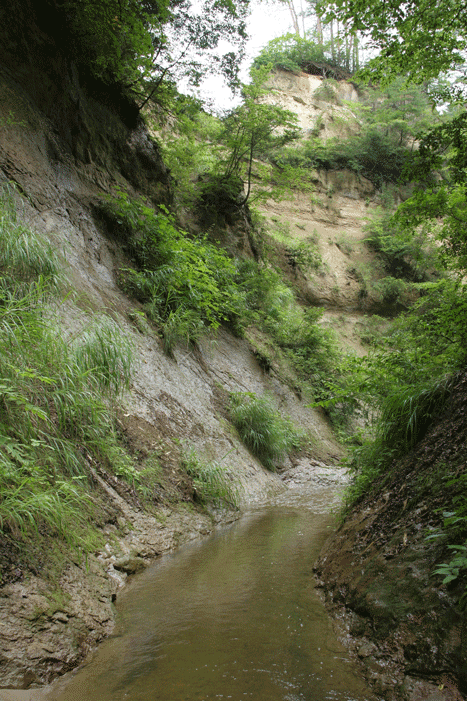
(267, 21)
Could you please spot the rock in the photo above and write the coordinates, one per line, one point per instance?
(130, 565)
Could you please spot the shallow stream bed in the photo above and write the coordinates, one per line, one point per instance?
(236, 616)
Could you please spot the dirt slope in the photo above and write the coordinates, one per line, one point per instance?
(377, 570)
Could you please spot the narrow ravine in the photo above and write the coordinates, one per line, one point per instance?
(236, 616)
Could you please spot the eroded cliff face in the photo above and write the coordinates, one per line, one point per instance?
(66, 142)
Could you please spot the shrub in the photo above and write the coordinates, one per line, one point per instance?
(293, 53)
(405, 254)
(263, 430)
(327, 92)
(187, 285)
(391, 290)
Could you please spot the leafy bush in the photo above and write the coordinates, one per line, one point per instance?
(189, 146)
(293, 53)
(187, 285)
(221, 197)
(327, 92)
(263, 430)
(371, 153)
(310, 348)
(406, 255)
(390, 290)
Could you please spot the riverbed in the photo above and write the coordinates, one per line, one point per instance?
(235, 616)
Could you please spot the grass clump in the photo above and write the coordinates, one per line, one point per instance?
(105, 353)
(26, 261)
(263, 430)
(212, 483)
(404, 417)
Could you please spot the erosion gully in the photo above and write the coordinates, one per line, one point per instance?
(236, 616)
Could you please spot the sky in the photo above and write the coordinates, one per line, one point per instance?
(266, 22)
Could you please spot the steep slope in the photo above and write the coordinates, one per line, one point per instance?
(377, 571)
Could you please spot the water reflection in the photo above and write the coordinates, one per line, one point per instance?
(234, 617)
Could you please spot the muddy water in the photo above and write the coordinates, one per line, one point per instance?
(234, 617)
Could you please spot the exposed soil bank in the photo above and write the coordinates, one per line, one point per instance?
(377, 571)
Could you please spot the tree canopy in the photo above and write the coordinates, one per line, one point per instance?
(139, 43)
(417, 38)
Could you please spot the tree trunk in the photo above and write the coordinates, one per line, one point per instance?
(294, 17)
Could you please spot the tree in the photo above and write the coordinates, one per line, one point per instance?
(140, 43)
(252, 128)
(440, 169)
(417, 38)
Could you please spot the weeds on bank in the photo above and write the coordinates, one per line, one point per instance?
(54, 422)
(211, 481)
(309, 347)
(187, 285)
(263, 430)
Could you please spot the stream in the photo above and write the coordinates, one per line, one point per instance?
(236, 616)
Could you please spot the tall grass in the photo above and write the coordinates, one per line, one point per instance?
(53, 420)
(406, 415)
(104, 353)
(211, 481)
(26, 261)
(263, 430)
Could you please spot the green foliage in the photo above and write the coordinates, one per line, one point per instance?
(370, 152)
(264, 431)
(404, 382)
(291, 53)
(404, 418)
(390, 290)
(310, 348)
(103, 352)
(188, 286)
(294, 53)
(190, 149)
(53, 422)
(306, 255)
(439, 169)
(327, 92)
(405, 254)
(454, 528)
(212, 483)
(146, 46)
(452, 570)
(26, 262)
(112, 35)
(251, 131)
(408, 412)
(416, 41)
(388, 120)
